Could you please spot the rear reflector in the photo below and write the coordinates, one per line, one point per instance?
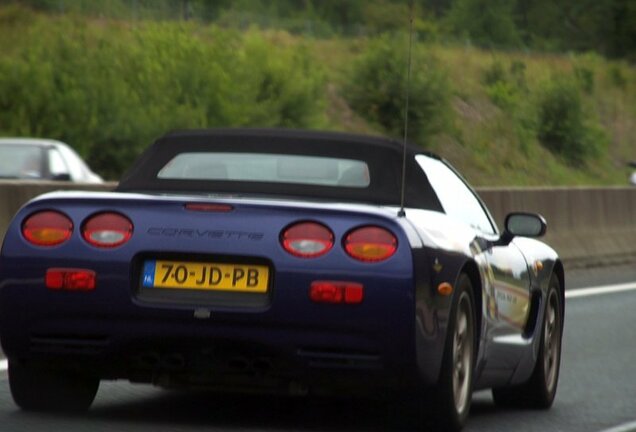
(107, 230)
(336, 292)
(69, 279)
(47, 228)
(370, 244)
(307, 239)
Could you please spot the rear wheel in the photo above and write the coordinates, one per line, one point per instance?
(539, 391)
(453, 394)
(38, 389)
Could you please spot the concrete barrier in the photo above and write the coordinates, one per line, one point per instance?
(587, 226)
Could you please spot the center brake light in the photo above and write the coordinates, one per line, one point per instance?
(47, 228)
(206, 207)
(307, 239)
(370, 244)
(107, 230)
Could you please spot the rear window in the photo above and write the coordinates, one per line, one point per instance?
(267, 167)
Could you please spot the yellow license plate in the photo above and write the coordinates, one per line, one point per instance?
(205, 276)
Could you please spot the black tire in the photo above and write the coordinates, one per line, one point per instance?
(38, 389)
(452, 396)
(539, 391)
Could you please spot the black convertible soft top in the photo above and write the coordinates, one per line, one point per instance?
(383, 157)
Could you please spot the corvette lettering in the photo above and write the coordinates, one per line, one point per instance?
(210, 234)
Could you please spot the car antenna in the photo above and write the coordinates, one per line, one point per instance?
(401, 212)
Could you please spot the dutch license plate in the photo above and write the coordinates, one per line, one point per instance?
(205, 276)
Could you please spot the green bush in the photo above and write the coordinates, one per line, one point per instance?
(488, 23)
(503, 94)
(508, 89)
(518, 73)
(376, 88)
(564, 127)
(585, 77)
(281, 87)
(110, 90)
(496, 73)
(505, 88)
(617, 77)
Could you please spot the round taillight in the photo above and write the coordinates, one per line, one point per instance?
(370, 244)
(47, 228)
(107, 230)
(307, 239)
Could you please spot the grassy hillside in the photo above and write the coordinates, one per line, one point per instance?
(499, 144)
(108, 87)
(494, 142)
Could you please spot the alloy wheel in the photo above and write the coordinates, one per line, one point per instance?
(462, 353)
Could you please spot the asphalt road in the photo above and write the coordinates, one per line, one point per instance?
(597, 390)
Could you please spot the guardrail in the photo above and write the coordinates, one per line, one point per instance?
(586, 225)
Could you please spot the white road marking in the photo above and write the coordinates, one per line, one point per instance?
(4, 365)
(606, 289)
(625, 427)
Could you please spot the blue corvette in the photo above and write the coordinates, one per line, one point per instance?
(281, 261)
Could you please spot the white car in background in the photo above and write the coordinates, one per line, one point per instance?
(42, 159)
(632, 178)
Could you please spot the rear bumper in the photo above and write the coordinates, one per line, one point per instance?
(226, 358)
(338, 349)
